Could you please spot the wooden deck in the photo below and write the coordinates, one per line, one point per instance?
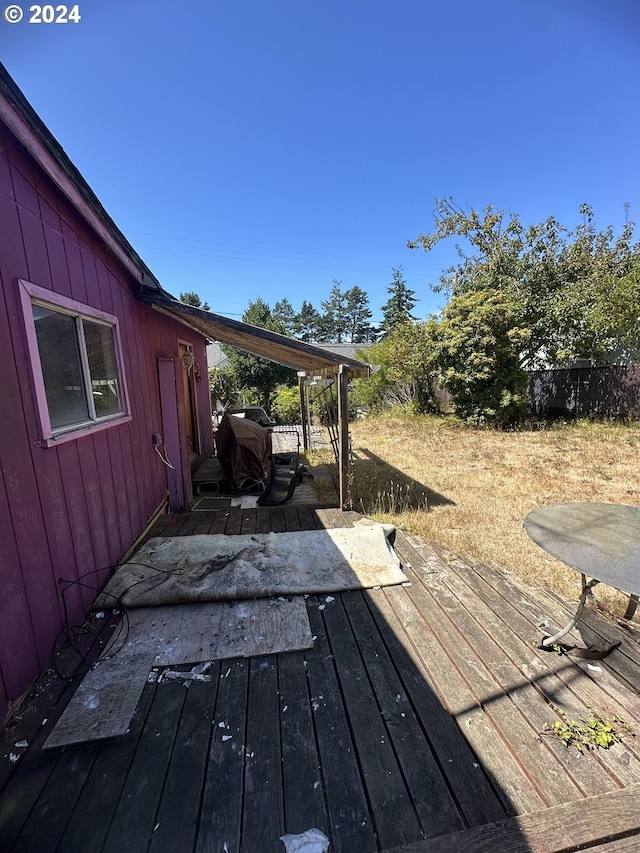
(416, 715)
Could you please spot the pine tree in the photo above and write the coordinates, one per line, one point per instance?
(193, 299)
(359, 328)
(283, 312)
(334, 323)
(252, 371)
(398, 309)
(306, 323)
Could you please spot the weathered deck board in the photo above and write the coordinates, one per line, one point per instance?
(391, 806)
(531, 610)
(301, 773)
(516, 708)
(511, 780)
(412, 724)
(472, 789)
(222, 796)
(178, 814)
(47, 820)
(590, 824)
(513, 658)
(590, 685)
(349, 818)
(432, 800)
(135, 815)
(91, 818)
(22, 783)
(263, 818)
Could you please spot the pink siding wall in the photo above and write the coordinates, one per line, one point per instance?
(73, 509)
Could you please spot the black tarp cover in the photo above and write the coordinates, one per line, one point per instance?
(244, 450)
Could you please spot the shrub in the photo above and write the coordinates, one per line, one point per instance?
(285, 407)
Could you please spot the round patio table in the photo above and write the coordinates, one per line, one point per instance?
(599, 540)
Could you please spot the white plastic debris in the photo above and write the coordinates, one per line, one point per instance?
(197, 673)
(92, 701)
(226, 737)
(590, 665)
(21, 744)
(329, 599)
(13, 757)
(310, 841)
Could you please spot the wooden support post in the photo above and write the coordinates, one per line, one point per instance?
(344, 461)
(307, 425)
(304, 410)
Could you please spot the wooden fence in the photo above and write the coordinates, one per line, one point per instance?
(612, 391)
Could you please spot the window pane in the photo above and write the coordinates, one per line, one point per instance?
(105, 382)
(61, 367)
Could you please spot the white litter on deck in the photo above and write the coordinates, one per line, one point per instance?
(311, 841)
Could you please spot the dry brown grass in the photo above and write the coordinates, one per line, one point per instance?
(479, 485)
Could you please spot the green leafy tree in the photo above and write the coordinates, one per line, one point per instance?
(286, 404)
(359, 329)
(599, 308)
(397, 310)
(406, 362)
(306, 323)
(223, 387)
(252, 371)
(477, 351)
(615, 313)
(193, 299)
(553, 278)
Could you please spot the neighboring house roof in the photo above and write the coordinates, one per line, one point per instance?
(216, 356)
(348, 350)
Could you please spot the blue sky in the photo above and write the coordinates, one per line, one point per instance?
(254, 148)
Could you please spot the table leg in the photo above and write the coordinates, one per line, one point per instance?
(546, 642)
(631, 607)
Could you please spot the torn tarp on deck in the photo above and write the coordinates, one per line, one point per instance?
(179, 569)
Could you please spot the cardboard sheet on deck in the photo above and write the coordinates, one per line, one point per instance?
(105, 701)
(179, 569)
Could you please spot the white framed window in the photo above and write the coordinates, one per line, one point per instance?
(77, 366)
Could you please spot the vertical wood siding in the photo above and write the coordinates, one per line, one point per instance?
(70, 511)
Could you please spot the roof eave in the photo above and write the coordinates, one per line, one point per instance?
(282, 349)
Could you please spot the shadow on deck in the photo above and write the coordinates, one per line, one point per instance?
(413, 724)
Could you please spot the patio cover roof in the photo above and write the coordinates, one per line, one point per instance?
(301, 356)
